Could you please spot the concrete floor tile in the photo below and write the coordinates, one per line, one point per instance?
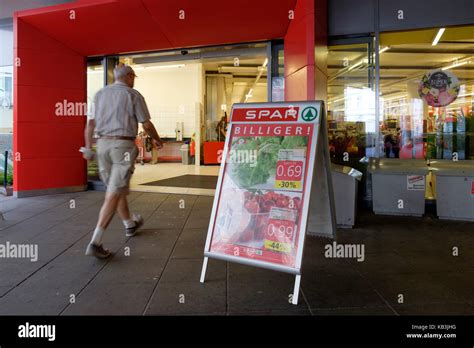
(197, 222)
(263, 296)
(189, 298)
(189, 270)
(131, 270)
(193, 234)
(339, 291)
(111, 299)
(403, 255)
(417, 289)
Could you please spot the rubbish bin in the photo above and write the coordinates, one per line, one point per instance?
(184, 154)
(454, 189)
(345, 181)
(398, 186)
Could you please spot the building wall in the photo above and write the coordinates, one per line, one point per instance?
(45, 145)
(352, 17)
(299, 53)
(7, 7)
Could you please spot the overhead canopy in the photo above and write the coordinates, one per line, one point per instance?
(100, 27)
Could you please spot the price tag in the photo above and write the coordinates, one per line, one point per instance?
(279, 235)
(277, 246)
(288, 174)
(291, 185)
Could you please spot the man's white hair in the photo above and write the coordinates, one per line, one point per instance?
(122, 70)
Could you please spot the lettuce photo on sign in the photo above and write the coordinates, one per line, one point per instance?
(249, 174)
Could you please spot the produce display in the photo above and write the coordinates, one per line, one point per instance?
(260, 202)
(267, 149)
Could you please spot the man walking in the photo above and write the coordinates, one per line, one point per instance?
(115, 115)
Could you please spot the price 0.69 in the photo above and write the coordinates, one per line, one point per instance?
(289, 170)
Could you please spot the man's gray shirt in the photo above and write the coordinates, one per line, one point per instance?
(117, 109)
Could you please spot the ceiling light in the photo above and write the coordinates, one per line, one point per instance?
(438, 36)
(455, 65)
(159, 67)
(356, 65)
(335, 100)
(382, 50)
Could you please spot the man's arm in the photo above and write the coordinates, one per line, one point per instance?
(87, 152)
(143, 116)
(151, 130)
(89, 133)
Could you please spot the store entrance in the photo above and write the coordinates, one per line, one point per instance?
(189, 94)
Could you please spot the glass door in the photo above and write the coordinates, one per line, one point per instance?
(353, 130)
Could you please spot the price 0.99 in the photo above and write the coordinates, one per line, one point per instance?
(283, 231)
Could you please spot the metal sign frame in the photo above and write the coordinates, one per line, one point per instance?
(314, 196)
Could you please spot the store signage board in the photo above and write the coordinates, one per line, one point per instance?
(415, 182)
(274, 167)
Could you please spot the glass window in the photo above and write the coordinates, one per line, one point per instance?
(351, 103)
(6, 90)
(352, 128)
(427, 89)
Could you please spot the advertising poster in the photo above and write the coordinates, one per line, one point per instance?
(259, 212)
(439, 88)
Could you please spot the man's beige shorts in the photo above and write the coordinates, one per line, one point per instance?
(116, 160)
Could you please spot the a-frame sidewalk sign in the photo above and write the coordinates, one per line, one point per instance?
(274, 186)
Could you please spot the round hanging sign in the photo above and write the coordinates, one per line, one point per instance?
(439, 88)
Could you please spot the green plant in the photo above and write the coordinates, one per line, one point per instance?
(9, 178)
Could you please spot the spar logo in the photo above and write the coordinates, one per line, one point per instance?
(309, 114)
(266, 114)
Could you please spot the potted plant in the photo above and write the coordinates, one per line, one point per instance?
(6, 182)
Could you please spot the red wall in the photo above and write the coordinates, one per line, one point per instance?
(47, 73)
(299, 53)
(53, 65)
(306, 52)
(321, 50)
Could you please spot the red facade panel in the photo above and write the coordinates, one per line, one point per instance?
(46, 145)
(52, 47)
(299, 53)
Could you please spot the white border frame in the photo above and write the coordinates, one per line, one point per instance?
(315, 138)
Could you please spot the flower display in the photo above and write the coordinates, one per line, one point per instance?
(439, 88)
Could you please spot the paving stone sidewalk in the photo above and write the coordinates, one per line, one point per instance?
(412, 257)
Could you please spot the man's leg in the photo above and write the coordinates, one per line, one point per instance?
(122, 208)
(108, 209)
(131, 222)
(106, 214)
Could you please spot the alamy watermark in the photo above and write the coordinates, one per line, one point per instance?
(19, 251)
(240, 157)
(345, 251)
(69, 108)
(28, 330)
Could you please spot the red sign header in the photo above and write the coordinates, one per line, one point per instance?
(268, 114)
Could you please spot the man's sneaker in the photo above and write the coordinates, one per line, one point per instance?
(97, 251)
(131, 231)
